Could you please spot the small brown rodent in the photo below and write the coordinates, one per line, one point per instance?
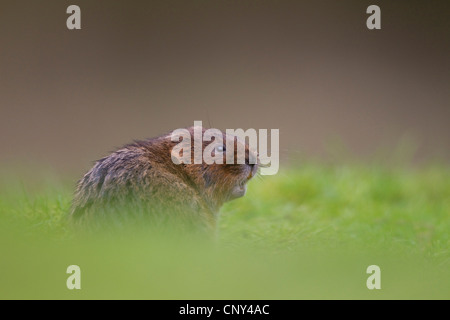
(140, 182)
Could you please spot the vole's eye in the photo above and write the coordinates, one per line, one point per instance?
(220, 148)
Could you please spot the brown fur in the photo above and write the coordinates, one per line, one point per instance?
(140, 181)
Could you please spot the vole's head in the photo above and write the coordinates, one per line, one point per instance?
(222, 168)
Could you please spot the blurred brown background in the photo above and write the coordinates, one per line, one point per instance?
(140, 68)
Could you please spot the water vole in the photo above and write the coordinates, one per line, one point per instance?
(140, 181)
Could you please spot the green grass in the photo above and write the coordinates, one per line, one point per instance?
(306, 233)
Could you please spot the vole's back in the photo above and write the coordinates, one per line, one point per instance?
(132, 183)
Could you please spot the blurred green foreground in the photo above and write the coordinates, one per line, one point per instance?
(306, 233)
